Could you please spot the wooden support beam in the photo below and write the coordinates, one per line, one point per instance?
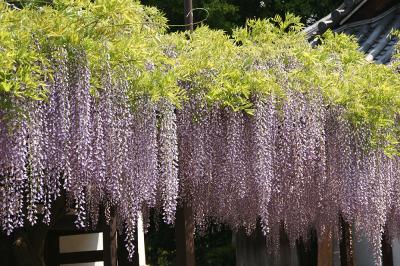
(184, 235)
(184, 226)
(110, 242)
(325, 248)
(80, 257)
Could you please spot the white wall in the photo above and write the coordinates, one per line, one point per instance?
(97, 263)
(396, 252)
(80, 243)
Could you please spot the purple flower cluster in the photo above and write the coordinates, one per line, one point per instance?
(295, 163)
(94, 146)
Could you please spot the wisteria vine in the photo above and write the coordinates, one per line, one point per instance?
(295, 162)
(255, 128)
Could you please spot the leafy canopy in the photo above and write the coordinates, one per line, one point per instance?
(263, 57)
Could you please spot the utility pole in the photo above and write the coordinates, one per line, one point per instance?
(184, 226)
(188, 6)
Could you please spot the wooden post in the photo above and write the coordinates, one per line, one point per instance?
(325, 248)
(110, 242)
(184, 235)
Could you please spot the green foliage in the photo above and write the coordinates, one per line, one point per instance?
(160, 243)
(104, 30)
(367, 91)
(21, 59)
(214, 247)
(263, 57)
(306, 9)
(226, 14)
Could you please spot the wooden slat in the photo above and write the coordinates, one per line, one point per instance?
(79, 257)
(76, 232)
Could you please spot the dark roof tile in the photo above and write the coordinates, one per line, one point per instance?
(374, 35)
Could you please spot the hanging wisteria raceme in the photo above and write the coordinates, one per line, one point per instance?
(80, 133)
(193, 155)
(144, 141)
(304, 166)
(168, 160)
(253, 128)
(14, 172)
(295, 164)
(264, 130)
(96, 148)
(393, 221)
(36, 158)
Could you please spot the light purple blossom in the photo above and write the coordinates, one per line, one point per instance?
(295, 164)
